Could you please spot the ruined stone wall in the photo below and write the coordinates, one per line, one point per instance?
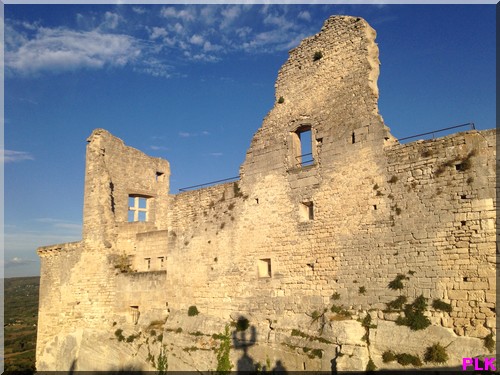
(113, 173)
(288, 239)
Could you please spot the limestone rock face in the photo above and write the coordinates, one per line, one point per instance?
(309, 259)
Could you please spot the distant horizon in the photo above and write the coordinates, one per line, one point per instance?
(192, 83)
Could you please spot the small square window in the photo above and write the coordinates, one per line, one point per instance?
(306, 211)
(264, 266)
(148, 263)
(162, 262)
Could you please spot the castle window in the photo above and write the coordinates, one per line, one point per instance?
(162, 262)
(160, 176)
(134, 314)
(264, 266)
(137, 208)
(148, 263)
(306, 211)
(302, 147)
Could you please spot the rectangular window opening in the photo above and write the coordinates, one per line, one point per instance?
(264, 266)
(162, 262)
(148, 263)
(303, 146)
(306, 211)
(160, 176)
(137, 208)
(134, 314)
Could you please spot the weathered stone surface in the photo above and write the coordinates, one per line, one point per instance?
(301, 251)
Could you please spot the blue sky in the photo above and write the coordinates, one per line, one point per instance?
(193, 83)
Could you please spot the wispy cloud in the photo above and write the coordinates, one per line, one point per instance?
(184, 134)
(16, 262)
(63, 49)
(11, 156)
(174, 34)
(216, 154)
(158, 148)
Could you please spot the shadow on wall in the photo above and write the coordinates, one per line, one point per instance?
(245, 336)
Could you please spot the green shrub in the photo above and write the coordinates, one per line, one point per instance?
(371, 366)
(440, 305)
(317, 55)
(178, 330)
(489, 343)
(397, 304)
(388, 356)
(397, 283)
(414, 317)
(406, 359)
(393, 179)
(336, 296)
(119, 334)
(223, 362)
(281, 100)
(362, 290)
(131, 338)
(436, 354)
(193, 311)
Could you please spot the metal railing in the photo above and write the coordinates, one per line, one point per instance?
(194, 187)
(469, 124)
(304, 163)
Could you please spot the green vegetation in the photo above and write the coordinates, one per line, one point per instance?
(414, 317)
(197, 333)
(336, 296)
(297, 333)
(281, 100)
(131, 338)
(362, 290)
(397, 283)
(436, 354)
(397, 304)
(341, 312)
(440, 305)
(388, 356)
(406, 359)
(317, 55)
(393, 179)
(122, 263)
(223, 362)
(489, 343)
(193, 311)
(371, 366)
(20, 321)
(403, 359)
(119, 334)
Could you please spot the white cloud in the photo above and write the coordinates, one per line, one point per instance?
(187, 15)
(216, 154)
(304, 15)
(16, 261)
(139, 10)
(158, 32)
(185, 134)
(63, 49)
(197, 39)
(10, 156)
(229, 15)
(111, 20)
(158, 148)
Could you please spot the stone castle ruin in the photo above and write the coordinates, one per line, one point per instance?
(364, 249)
